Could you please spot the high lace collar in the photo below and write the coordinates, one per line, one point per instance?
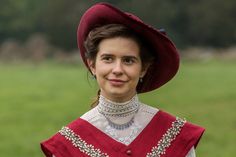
(116, 109)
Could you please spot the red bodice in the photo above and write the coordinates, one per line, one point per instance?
(61, 146)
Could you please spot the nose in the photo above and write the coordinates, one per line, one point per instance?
(118, 68)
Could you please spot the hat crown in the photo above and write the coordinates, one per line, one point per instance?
(166, 62)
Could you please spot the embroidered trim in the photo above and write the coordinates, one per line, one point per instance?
(81, 144)
(167, 138)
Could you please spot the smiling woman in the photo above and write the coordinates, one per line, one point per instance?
(127, 57)
(117, 68)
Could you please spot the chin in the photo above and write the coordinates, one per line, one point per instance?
(117, 93)
(120, 93)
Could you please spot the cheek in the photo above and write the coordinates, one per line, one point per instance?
(134, 74)
(102, 69)
(136, 71)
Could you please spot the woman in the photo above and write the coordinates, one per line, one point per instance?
(126, 57)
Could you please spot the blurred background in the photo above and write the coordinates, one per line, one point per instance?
(43, 84)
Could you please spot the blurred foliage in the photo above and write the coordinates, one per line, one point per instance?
(187, 22)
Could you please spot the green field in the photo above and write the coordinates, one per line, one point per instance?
(37, 100)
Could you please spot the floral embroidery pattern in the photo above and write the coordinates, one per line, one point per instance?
(81, 144)
(167, 138)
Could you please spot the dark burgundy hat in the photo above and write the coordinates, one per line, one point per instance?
(166, 61)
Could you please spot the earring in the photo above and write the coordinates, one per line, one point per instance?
(140, 79)
(93, 76)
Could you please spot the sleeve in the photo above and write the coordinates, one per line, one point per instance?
(191, 153)
(54, 147)
(49, 150)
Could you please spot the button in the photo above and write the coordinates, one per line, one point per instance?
(128, 152)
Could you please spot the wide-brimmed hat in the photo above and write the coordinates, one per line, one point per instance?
(166, 62)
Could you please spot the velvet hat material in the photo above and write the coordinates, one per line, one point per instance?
(166, 62)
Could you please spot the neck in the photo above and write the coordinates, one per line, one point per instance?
(118, 99)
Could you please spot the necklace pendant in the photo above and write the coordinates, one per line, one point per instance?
(120, 126)
(119, 110)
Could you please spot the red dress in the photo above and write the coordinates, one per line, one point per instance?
(164, 136)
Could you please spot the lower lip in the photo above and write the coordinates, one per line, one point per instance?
(116, 83)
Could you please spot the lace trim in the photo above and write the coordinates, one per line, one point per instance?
(167, 138)
(114, 109)
(133, 130)
(81, 144)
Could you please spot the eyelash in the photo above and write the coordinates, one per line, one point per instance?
(107, 59)
(127, 61)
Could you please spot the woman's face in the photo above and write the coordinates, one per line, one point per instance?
(117, 68)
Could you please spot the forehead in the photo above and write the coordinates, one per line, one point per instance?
(119, 46)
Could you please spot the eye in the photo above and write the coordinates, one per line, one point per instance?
(128, 60)
(107, 59)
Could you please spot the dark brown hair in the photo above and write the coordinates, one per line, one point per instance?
(96, 35)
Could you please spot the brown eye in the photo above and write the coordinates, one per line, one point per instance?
(107, 59)
(128, 60)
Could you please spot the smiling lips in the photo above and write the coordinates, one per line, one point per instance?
(117, 82)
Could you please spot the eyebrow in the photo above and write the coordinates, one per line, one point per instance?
(106, 54)
(132, 57)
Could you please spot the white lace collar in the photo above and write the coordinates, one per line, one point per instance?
(115, 109)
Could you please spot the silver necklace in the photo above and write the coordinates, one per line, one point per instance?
(120, 126)
(114, 109)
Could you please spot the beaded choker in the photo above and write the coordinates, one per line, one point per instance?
(115, 109)
(120, 111)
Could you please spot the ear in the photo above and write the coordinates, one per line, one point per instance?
(91, 65)
(144, 70)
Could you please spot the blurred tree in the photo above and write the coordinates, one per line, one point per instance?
(59, 21)
(187, 22)
(19, 18)
(213, 22)
(190, 22)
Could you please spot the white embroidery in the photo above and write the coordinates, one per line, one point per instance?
(100, 122)
(81, 144)
(167, 138)
(134, 129)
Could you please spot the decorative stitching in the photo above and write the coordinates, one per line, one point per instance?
(156, 151)
(81, 144)
(167, 138)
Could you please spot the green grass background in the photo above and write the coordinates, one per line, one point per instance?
(37, 100)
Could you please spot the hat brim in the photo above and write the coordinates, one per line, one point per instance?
(166, 62)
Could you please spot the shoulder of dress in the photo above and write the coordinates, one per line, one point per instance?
(81, 121)
(188, 125)
(90, 115)
(194, 129)
(148, 109)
